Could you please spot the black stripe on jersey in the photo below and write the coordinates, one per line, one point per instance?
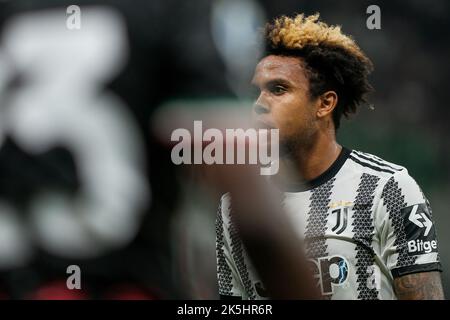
(317, 220)
(363, 227)
(316, 244)
(238, 257)
(371, 166)
(394, 201)
(224, 275)
(379, 163)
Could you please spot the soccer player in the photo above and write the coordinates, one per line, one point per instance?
(367, 226)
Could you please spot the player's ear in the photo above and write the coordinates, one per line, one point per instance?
(327, 102)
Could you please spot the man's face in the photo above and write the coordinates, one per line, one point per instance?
(283, 101)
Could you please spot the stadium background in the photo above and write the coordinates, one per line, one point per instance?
(177, 52)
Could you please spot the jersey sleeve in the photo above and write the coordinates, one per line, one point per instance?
(408, 233)
(230, 286)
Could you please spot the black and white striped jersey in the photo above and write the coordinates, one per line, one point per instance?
(365, 221)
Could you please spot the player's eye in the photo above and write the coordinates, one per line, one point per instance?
(278, 89)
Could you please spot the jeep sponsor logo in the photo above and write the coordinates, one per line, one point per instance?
(330, 272)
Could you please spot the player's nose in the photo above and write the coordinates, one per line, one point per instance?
(260, 108)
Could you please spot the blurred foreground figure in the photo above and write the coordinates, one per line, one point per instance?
(83, 181)
(367, 226)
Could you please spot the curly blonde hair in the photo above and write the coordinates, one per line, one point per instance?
(333, 60)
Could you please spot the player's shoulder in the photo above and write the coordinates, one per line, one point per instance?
(393, 177)
(373, 164)
(391, 174)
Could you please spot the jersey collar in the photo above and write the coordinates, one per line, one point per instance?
(324, 177)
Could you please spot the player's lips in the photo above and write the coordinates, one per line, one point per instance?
(264, 125)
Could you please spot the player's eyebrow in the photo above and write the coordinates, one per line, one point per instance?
(278, 81)
(272, 82)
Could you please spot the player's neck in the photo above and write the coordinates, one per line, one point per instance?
(307, 163)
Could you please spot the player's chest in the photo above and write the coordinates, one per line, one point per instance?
(338, 217)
